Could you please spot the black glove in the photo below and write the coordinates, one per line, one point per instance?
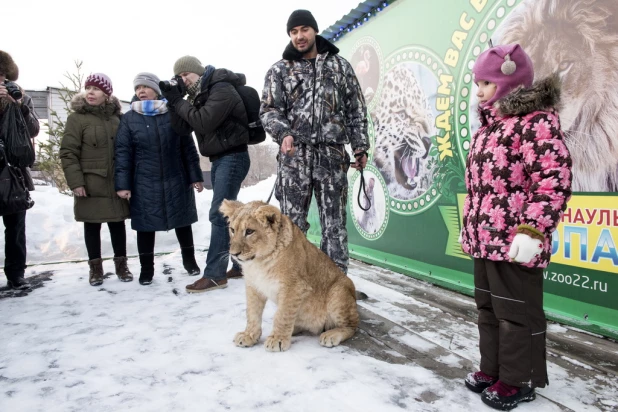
(173, 96)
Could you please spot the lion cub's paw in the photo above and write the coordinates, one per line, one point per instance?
(246, 339)
(331, 338)
(277, 343)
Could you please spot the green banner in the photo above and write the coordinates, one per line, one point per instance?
(413, 60)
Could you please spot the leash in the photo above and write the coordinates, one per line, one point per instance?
(271, 192)
(362, 187)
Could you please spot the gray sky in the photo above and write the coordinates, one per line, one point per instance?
(123, 38)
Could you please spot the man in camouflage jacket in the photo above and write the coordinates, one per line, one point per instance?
(312, 105)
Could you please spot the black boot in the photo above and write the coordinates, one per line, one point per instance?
(17, 282)
(147, 272)
(188, 261)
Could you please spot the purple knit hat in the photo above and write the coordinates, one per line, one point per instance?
(101, 81)
(507, 66)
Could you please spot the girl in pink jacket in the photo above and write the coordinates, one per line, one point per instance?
(518, 178)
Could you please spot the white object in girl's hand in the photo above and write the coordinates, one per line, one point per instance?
(524, 248)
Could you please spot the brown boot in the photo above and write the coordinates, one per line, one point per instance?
(122, 270)
(205, 285)
(233, 273)
(96, 272)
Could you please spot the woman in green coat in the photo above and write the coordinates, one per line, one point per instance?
(87, 155)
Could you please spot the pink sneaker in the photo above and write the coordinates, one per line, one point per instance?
(478, 381)
(506, 397)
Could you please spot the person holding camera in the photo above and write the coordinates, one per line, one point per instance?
(161, 188)
(216, 113)
(15, 224)
(87, 155)
(312, 106)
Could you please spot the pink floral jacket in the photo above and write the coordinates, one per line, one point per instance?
(518, 174)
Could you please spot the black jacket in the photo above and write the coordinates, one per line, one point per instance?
(216, 116)
(32, 124)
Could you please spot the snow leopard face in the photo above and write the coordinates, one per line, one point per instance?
(404, 125)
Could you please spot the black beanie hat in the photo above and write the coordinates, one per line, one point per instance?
(302, 18)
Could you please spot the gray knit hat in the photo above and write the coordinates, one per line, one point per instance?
(147, 79)
(188, 64)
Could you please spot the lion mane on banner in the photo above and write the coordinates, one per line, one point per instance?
(579, 40)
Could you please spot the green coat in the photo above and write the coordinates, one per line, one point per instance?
(87, 155)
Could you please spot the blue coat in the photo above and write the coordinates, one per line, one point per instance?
(158, 166)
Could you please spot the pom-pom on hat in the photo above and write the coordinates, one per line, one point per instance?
(101, 81)
(507, 66)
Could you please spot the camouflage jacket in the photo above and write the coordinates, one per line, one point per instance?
(321, 104)
(518, 174)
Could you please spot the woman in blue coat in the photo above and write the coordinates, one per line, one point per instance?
(157, 169)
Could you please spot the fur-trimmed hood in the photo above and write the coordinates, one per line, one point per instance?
(8, 66)
(323, 45)
(544, 94)
(80, 105)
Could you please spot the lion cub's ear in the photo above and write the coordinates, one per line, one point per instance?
(228, 207)
(268, 215)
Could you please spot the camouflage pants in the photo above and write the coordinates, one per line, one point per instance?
(323, 170)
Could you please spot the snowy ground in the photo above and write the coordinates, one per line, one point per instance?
(53, 235)
(67, 346)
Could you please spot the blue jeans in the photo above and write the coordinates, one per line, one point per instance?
(226, 176)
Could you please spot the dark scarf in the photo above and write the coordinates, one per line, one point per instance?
(198, 86)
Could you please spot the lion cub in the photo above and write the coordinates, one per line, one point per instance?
(279, 263)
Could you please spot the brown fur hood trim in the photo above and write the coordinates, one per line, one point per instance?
(8, 66)
(79, 105)
(542, 95)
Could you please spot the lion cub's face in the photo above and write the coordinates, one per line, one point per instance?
(253, 229)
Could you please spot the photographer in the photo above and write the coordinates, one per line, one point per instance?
(15, 224)
(216, 112)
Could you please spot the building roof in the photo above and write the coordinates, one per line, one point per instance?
(364, 12)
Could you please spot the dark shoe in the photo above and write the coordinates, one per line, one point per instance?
(361, 295)
(206, 284)
(506, 397)
(96, 272)
(233, 273)
(188, 261)
(18, 283)
(145, 278)
(146, 273)
(122, 270)
(478, 381)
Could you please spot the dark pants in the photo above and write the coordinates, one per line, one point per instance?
(14, 245)
(226, 175)
(146, 240)
(118, 235)
(323, 170)
(512, 325)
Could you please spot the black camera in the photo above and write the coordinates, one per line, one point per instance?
(167, 85)
(13, 89)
